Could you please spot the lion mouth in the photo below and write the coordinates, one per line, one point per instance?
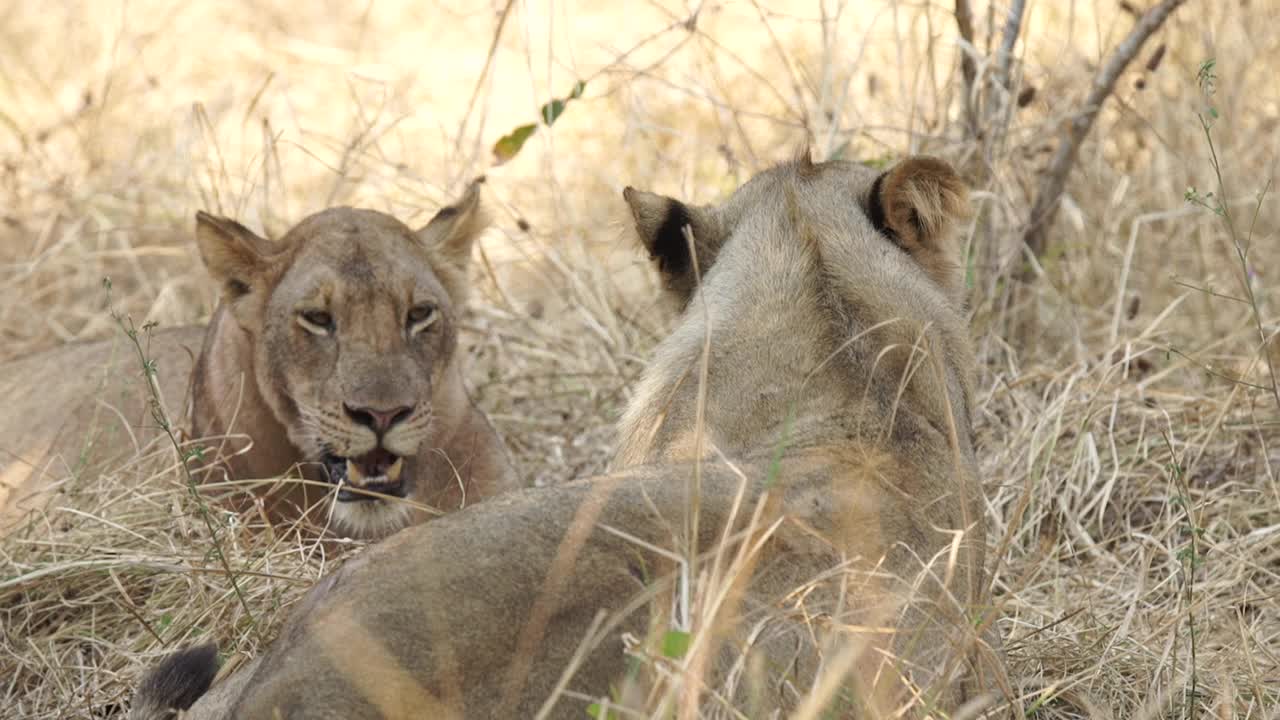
(377, 471)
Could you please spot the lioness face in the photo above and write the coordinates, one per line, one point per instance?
(806, 269)
(354, 327)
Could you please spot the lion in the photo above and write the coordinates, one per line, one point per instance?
(333, 352)
(799, 448)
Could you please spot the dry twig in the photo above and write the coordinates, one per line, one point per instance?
(1045, 207)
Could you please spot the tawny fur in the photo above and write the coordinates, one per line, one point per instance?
(922, 200)
(830, 371)
(263, 394)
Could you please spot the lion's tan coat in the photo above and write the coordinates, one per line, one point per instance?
(826, 356)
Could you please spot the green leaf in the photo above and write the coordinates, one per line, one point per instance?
(1207, 78)
(552, 111)
(879, 163)
(594, 710)
(675, 644)
(509, 145)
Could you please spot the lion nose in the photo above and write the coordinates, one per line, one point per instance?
(379, 421)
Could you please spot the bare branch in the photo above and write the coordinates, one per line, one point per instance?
(1045, 207)
(484, 72)
(968, 68)
(998, 104)
(1012, 28)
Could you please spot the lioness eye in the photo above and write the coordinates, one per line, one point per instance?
(421, 317)
(318, 322)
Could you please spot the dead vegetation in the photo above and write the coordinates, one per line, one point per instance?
(1128, 427)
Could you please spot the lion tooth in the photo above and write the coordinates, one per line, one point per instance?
(393, 472)
(354, 476)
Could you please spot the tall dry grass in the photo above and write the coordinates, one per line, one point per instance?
(1124, 415)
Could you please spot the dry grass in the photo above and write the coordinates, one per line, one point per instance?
(1118, 418)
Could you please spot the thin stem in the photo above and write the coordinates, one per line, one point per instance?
(159, 415)
(1188, 561)
(1242, 254)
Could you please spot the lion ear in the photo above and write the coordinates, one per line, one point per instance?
(660, 223)
(454, 229)
(918, 204)
(234, 255)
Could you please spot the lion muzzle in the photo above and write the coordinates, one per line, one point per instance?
(364, 478)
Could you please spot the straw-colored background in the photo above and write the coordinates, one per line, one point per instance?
(118, 120)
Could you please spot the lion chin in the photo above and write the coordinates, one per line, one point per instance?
(371, 518)
(368, 500)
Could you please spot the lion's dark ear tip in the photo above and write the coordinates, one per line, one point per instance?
(471, 193)
(631, 197)
(215, 222)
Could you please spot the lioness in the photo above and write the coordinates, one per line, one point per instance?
(333, 350)
(806, 425)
